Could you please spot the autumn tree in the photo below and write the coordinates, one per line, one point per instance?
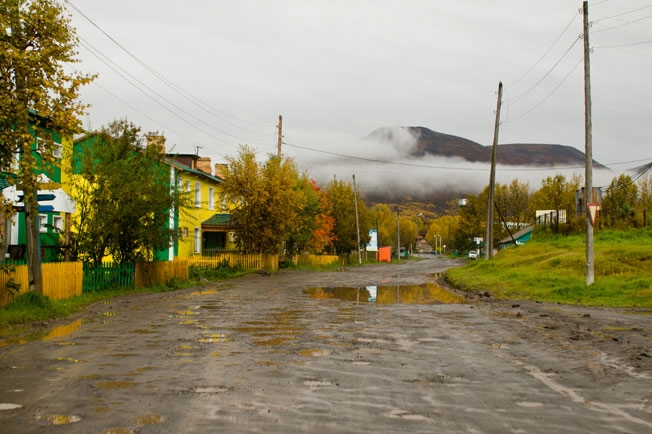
(512, 201)
(39, 92)
(267, 199)
(444, 227)
(382, 218)
(619, 203)
(342, 203)
(556, 193)
(124, 195)
(314, 225)
(645, 197)
(472, 221)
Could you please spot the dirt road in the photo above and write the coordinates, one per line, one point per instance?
(365, 350)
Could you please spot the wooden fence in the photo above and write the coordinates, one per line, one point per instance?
(152, 273)
(68, 279)
(60, 280)
(248, 262)
(315, 260)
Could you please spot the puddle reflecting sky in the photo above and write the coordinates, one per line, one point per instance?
(427, 293)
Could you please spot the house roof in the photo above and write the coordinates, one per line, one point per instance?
(185, 168)
(518, 235)
(218, 220)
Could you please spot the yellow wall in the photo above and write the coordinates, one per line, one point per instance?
(191, 217)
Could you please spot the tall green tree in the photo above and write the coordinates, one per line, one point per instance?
(619, 203)
(39, 93)
(125, 197)
(267, 200)
(342, 201)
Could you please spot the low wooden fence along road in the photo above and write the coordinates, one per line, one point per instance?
(67, 279)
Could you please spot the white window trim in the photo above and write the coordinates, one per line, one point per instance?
(197, 194)
(211, 198)
(57, 222)
(57, 150)
(42, 223)
(197, 241)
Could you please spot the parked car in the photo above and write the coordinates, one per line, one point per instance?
(473, 254)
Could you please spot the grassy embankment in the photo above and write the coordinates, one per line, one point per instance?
(553, 268)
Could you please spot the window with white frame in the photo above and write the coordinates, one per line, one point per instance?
(223, 202)
(197, 194)
(57, 222)
(57, 150)
(43, 223)
(185, 232)
(188, 186)
(211, 198)
(197, 240)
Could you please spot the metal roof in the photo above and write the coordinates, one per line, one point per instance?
(218, 220)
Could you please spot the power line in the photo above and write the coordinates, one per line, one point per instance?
(621, 25)
(549, 95)
(191, 98)
(547, 51)
(535, 85)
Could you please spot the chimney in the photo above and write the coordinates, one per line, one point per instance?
(221, 170)
(157, 142)
(204, 164)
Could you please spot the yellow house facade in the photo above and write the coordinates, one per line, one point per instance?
(204, 224)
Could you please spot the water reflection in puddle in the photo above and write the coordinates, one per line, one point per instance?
(427, 293)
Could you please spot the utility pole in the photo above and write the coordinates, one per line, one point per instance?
(280, 134)
(398, 237)
(588, 144)
(489, 243)
(357, 223)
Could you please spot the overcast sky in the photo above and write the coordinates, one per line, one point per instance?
(216, 74)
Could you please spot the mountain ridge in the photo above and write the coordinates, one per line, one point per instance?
(429, 142)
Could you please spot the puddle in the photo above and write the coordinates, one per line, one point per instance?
(63, 330)
(112, 385)
(9, 406)
(22, 335)
(117, 431)
(148, 419)
(427, 293)
(214, 338)
(62, 419)
(314, 353)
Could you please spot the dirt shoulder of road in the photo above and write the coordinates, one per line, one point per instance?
(625, 332)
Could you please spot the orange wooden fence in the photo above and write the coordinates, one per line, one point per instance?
(248, 262)
(315, 259)
(64, 279)
(60, 280)
(152, 273)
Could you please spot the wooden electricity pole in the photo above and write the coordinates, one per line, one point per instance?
(280, 134)
(588, 143)
(489, 243)
(357, 222)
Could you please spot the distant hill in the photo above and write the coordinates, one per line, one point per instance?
(430, 142)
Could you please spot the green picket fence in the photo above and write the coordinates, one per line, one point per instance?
(108, 275)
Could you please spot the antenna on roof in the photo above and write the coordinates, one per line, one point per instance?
(197, 148)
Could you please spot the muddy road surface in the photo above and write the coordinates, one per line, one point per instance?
(379, 348)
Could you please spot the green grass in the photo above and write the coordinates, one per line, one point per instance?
(553, 268)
